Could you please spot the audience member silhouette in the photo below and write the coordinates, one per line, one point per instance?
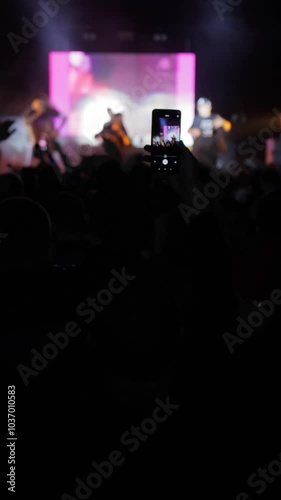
(163, 335)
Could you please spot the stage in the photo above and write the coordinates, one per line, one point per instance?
(84, 86)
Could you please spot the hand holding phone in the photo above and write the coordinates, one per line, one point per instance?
(185, 180)
(165, 135)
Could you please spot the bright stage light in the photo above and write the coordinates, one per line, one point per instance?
(79, 60)
(94, 115)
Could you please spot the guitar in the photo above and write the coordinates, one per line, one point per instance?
(114, 131)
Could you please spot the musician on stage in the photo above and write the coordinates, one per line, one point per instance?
(22, 136)
(40, 116)
(208, 132)
(114, 135)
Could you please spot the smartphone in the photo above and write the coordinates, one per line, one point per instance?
(165, 133)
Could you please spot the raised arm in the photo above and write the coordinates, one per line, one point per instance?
(220, 122)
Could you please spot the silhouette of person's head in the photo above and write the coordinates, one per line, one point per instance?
(25, 230)
(68, 214)
(10, 185)
(204, 107)
(114, 116)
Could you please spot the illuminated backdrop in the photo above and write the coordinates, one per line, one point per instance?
(83, 86)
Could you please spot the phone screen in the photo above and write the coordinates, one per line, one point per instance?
(166, 130)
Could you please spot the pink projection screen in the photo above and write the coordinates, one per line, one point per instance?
(83, 86)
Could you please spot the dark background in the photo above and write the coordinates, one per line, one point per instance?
(67, 417)
(238, 59)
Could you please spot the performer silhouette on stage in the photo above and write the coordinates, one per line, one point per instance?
(208, 132)
(114, 131)
(40, 117)
(114, 135)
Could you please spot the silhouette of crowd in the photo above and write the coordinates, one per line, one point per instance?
(60, 239)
